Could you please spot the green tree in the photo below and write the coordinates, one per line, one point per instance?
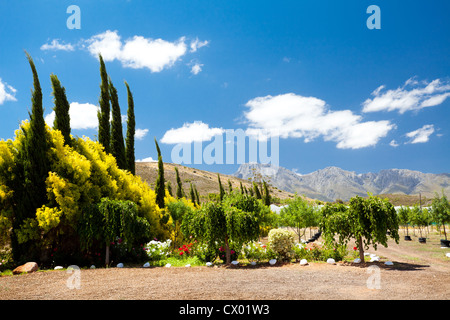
(221, 189)
(197, 196)
(441, 210)
(104, 131)
(267, 198)
(180, 193)
(169, 188)
(257, 192)
(298, 214)
(61, 108)
(229, 223)
(117, 143)
(131, 129)
(367, 220)
(192, 193)
(30, 192)
(404, 217)
(160, 181)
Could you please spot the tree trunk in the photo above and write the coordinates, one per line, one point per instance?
(227, 251)
(107, 255)
(361, 249)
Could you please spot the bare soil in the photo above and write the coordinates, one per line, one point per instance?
(420, 272)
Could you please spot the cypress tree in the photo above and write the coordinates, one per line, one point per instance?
(266, 194)
(197, 197)
(230, 186)
(131, 128)
(117, 147)
(32, 170)
(179, 185)
(257, 192)
(104, 133)
(61, 108)
(242, 188)
(221, 189)
(169, 188)
(192, 194)
(159, 188)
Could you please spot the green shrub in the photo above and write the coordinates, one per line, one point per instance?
(281, 242)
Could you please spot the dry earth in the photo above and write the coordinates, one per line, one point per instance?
(417, 274)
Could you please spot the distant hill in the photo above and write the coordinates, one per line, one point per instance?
(334, 183)
(206, 182)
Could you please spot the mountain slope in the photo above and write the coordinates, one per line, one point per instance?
(334, 183)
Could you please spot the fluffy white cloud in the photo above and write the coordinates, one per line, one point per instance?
(197, 44)
(82, 116)
(421, 135)
(413, 95)
(295, 116)
(137, 52)
(191, 132)
(393, 143)
(149, 159)
(196, 68)
(139, 134)
(7, 92)
(56, 45)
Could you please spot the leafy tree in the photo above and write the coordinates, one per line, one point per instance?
(131, 128)
(298, 214)
(230, 222)
(441, 210)
(104, 132)
(117, 143)
(160, 181)
(257, 192)
(180, 193)
(177, 210)
(367, 220)
(61, 108)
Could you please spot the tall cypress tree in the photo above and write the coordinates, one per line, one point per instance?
(61, 108)
(266, 194)
(197, 196)
(131, 129)
(117, 143)
(104, 133)
(180, 192)
(159, 188)
(257, 192)
(221, 189)
(33, 167)
(192, 193)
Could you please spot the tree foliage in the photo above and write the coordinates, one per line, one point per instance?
(61, 108)
(131, 130)
(104, 132)
(117, 146)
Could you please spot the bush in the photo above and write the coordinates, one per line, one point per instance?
(157, 250)
(281, 242)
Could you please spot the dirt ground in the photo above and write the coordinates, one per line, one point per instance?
(420, 272)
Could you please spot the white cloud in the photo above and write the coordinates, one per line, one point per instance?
(191, 132)
(197, 44)
(137, 52)
(7, 92)
(56, 45)
(294, 116)
(413, 95)
(393, 143)
(148, 159)
(196, 68)
(421, 135)
(139, 134)
(82, 116)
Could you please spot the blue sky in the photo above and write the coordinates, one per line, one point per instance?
(309, 73)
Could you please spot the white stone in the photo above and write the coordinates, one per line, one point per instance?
(235, 262)
(389, 263)
(168, 265)
(120, 265)
(448, 255)
(375, 259)
(303, 262)
(188, 265)
(92, 267)
(146, 265)
(331, 261)
(209, 264)
(58, 268)
(253, 263)
(357, 260)
(272, 261)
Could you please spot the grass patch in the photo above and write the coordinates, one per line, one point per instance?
(177, 262)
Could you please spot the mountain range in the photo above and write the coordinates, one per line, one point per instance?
(333, 183)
